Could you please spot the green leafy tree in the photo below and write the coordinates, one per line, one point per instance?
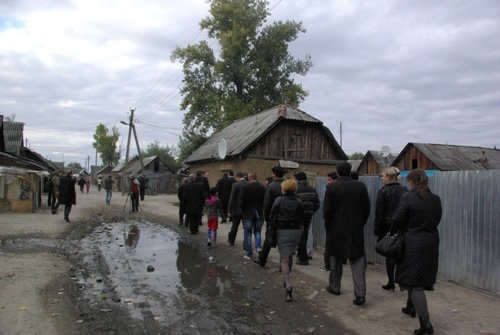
(189, 142)
(74, 166)
(167, 154)
(251, 71)
(105, 143)
(357, 155)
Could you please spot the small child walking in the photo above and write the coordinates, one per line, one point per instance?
(214, 206)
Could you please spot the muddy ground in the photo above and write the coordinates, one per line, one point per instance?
(90, 277)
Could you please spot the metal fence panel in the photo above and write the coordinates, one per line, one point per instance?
(469, 229)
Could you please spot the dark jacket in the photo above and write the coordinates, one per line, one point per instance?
(193, 198)
(273, 191)
(142, 182)
(418, 217)
(224, 187)
(233, 207)
(346, 208)
(310, 199)
(251, 200)
(287, 212)
(108, 184)
(67, 193)
(386, 205)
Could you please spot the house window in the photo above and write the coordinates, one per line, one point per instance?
(414, 164)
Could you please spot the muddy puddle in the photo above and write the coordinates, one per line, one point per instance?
(155, 274)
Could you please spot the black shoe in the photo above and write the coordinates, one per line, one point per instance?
(258, 261)
(309, 257)
(329, 290)
(389, 287)
(425, 326)
(66, 219)
(359, 301)
(230, 242)
(302, 263)
(288, 296)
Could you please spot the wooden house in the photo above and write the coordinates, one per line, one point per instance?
(443, 157)
(373, 163)
(283, 135)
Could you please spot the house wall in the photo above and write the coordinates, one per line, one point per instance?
(423, 162)
(21, 190)
(295, 141)
(260, 166)
(369, 167)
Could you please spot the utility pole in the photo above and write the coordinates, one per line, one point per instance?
(130, 126)
(95, 172)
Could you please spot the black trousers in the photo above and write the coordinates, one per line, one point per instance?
(142, 191)
(302, 247)
(231, 237)
(67, 210)
(194, 220)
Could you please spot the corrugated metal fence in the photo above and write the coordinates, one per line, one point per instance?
(469, 229)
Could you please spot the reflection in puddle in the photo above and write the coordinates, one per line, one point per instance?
(179, 275)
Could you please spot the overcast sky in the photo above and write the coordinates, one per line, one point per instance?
(391, 72)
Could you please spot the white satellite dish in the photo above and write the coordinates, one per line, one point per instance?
(385, 151)
(222, 148)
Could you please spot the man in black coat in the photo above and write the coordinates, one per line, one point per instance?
(233, 207)
(251, 202)
(67, 193)
(224, 187)
(273, 191)
(346, 208)
(310, 201)
(194, 200)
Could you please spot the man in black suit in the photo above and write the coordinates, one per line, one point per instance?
(251, 202)
(67, 194)
(194, 200)
(346, 209)
(233, 208)
(224, 186)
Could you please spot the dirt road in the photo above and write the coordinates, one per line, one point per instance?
(42, 291)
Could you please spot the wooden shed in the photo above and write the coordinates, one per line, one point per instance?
(373, 163)
(444, 157)
(283, 135)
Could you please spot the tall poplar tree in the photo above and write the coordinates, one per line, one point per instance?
(245, 69)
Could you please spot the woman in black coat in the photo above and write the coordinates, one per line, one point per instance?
(387, 203)
(418, 214)
(287, 214)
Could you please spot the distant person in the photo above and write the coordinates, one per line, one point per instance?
(99, 183)
(418, 215)
(182, 205)
(346, 209)
(251, 202)
(55, 189)
(386, 205)
(234, 209)
(214, 206)
(331, 177)
(310, 200)
(194, 200)
(82, 183)
(273, 191)
(224, 186)
(67, 193)
(142, 186)
(87, 184)
(49, 188)
(134, 193)
(287, 216)
(108, 186)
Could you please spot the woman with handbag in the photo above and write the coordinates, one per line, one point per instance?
(287, 212)
(418, 216)
(386, 205)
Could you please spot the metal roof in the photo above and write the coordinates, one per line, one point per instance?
(242, 133)
(455, 157)
(13, 136)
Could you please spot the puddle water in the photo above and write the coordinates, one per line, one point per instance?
(153, 270)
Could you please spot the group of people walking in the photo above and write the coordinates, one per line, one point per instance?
(286, 207)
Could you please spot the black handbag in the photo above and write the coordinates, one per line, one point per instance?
(391, 245)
